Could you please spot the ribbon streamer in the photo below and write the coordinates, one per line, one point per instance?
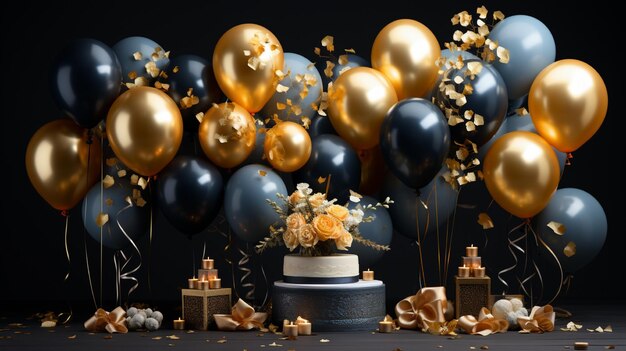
(429, 305)
(486, 323)
(121, 273)
(512, 244)
(242, 317)
(246, 274)
(69, 267)
(541, 319)
(111, 322)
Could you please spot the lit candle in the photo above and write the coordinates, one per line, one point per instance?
(471, 251)
(215, 283)
(368, 275)
(479, 272)
(472, 262)
(203, 285)
(464, 272)
(304, 327)
(208, 263)
(193, 282)
(385, 327)
(290, 330)
(179, 324)
(581, 345)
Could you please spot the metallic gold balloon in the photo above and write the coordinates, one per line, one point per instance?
(145, 129)
(567, 102)
(227, 134)
(521, 173)
(61, 165)
(287, 146)
(245, 61)
(406, 52)
(357, 105)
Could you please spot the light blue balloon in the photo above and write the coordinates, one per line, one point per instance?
(531, 48)
(124, 50)
(518, 123)
(296, 65)
(585, 225)
(380, 231)
(245, 201)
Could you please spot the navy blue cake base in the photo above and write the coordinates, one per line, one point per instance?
(331, 307)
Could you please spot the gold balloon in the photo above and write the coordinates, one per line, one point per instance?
(287, 146)
(61, 165)
(245, 61)
(567, 102)
(521, 173)
(145, 129)
(406, 52)
(373, 170)
(227, 134)
(357, 105)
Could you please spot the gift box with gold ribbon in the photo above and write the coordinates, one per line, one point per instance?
(199, 306)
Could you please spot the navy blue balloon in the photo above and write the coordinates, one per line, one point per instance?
(585, 225)
(353, 61)
(134, 220)
(321, 125)
(245, 201)
(438, 195)
(516, 104)
(194, 73)
(189, 193)
(334, 157)
(125, 50)
(380, 231)
(257, 154)
(489, 99)
(415, 140)
(85, 80)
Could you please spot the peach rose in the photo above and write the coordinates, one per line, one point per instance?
(307, 236)
(327, 227)
(290, 238)
(344, 241)
(338, 211)
(296, 197)
(295, 221)
(317, 199)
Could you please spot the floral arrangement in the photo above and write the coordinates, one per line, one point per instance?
(318, 226)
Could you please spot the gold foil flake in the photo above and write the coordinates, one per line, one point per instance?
(474, 67)
(476, 162)
(480, 174)
(280, 106)
(72, 337)
(479, 120)
(468, 114)
(498, 16)
(310, 79)
(483, 31)
(470, 126)
(48, 324)
(280, 74)
(327, 42)
(461, 100)
(172, 337)
(572, 327)
(470, 177)
(462, 153)
(345, 69)
(455, 20)
(480, 23)
(521, 111)
(503, 54)
(465, 19)
(152, 69)
(350, 51)
(137, 55)
(310, 66)
(141, 202)
(134, 179)
(112, 161)
(324, 340)
(109, 202)
(160, 85)
(570, 249)
(317, 51)
(281, 88)
(254, 62)
(321, 180)
(262, 173)
(343, 59)
(102, 219)
(176, 69)
(608, 329)
(121, 173)
(556, 227)
(142, 183)
(457, 35)
(328, 71)
(141, 82)
(482, 12)
(462, 180)
(468, 89)
(136, 194)
(246, 53)
(454, 120)
(304, 92)
(458, 79)
(167, 54)
(200, 116)
(132, 75)
(296, 109)
(108, 181)
(306, 122)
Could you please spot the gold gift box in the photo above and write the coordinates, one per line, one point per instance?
(199, 306)
(472, 294)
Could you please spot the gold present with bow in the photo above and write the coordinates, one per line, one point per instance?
(541, 319)
(486, 323)
(423, 309)
(199, 306)
(111, 322)
(242, 317)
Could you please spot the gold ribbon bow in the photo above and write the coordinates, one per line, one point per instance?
(242, 317)
(541, 320)
(112, 322)
(422, 309)
(485, 325)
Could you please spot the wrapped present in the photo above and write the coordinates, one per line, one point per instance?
(472, 294)
(199, 306)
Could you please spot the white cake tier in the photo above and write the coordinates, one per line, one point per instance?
(359, 284)
(337, 268)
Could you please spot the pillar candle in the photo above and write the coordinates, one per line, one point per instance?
(385, 326)
(479, 272)
(368, 275)
(203, 285)
(464, 272)
(304, 328)
(179, 324)
(290, 330)
(471, 251)
(215, 283)
(192, 283)
(472, 262)
(208, 263)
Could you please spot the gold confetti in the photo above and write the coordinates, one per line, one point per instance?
(163, 75)
(570, 249)
(608, 329)
(152, 69)
(468, 89)
(498, 16)
(48, 324)
(465, 19)
(485, 221)
(142, 183)
(262, 173)
(109, 202)
(111, 161)
(221, 341)
(254, 62)
(328, 71)
(321, 180)
(176, 69)
(137, 55)
(223, 139)
(457, 35)
(296, 109)
(246, 53)
(132, 75)
(274, 344)
(121, 173)
(134, 179)
(306, 122)
(200, 116)
(310, 79)
(317, 51)
(172, 337)
(503, 54)
(157, 338)
(136, 194)
(72, 337)
(350, 51)
(479, 120)
(468, 114)
(470, 126)
(163, 86)
(343, 59)
(280, 106)
(556, 227)
(482, 12)
(521, 111)
(324, 340)
(458, 79)
(573, 327)
(474, 67)
(327, 42)
(108, 181)
(281, 88)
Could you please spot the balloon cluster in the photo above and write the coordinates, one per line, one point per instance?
(419, 112)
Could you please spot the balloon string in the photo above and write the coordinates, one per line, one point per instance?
(511, 245)
(117, 279)
(69, 267)
(150, 244)
(265, 281)
(126, 275)
(101, 209)
(227, 250)
(93, 295)
(247, 272)
(419, 244)
(556, 259)
(451, 236)
(328, 184)
(441, 281)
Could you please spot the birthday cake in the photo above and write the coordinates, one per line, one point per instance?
(327, 291)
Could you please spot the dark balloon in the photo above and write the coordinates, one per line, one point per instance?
(516, 104)
(380, 231)
(585, 226)
(125, 50)
(194, 73)
(189, 192)
(438, 195)
(135, 220)
(257, 154)
(321, 125)
(353, 61)
(86, 78)
(415, 140)
(245, 201)
(334, 157)
(489, 99)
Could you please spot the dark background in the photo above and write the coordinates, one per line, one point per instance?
(32, 260)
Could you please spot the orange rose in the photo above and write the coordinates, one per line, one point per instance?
(344, 241)
(337, 211)
(295, 221)
(317, 199)
(327, 227)
(296, 197)
(290, 238)
(307, 236)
